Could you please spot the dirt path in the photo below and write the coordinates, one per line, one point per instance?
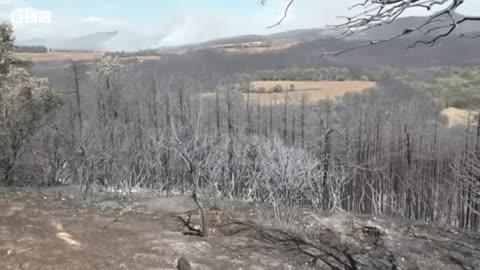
(45, 231)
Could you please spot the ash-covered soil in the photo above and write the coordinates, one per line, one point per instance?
(51, 229)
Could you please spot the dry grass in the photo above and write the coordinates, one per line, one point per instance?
(59, 56)
(253, 50)
(459, 117)
(314, 91)
(142, 58)
(75, 56)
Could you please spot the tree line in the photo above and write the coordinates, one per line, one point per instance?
(297, 73)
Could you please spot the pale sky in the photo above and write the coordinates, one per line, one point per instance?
(175, 22)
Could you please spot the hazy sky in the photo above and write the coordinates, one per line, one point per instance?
(173, 22)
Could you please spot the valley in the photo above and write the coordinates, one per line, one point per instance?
(217, 135)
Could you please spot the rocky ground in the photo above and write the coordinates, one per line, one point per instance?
(51, 229)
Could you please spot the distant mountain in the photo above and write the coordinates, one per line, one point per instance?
(385, 31)
(451, 50)
(396, 27)
(32, 42)
(304, 34)
(94, 41)
(293, 36)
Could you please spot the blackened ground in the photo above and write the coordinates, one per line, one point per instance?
(51, 230)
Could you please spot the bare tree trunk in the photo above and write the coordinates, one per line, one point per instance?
(271, 118)
(7, 174)
(77, 94)
(230, 150)
(477, 143)
(293, 127)
(155, 118)
(408, 178)
(476, 216)
(217, 109)
(285, 117)
(409, 148)
(259, 118)
(249, 123)
(166, 152)
(181, 97)
(302, 119)
(9, 163)
(204, 231)
(326, 159)
(468, 187)
(326, 169)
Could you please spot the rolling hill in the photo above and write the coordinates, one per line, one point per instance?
(93, 41)
(297, 47)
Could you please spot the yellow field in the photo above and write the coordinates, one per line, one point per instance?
(141, 58)
(313, 91)
(458, 117)
(59, 56)
(75, 56)
(253, 50)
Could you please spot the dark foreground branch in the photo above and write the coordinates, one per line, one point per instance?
(378, 13)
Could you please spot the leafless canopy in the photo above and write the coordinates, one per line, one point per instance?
(377, 13)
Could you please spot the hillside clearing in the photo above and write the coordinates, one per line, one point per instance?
(459, 117)
(59, 56)
(258, 49)
(75, 56)
(314, 91)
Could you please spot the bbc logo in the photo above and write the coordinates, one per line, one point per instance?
(31, 16)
